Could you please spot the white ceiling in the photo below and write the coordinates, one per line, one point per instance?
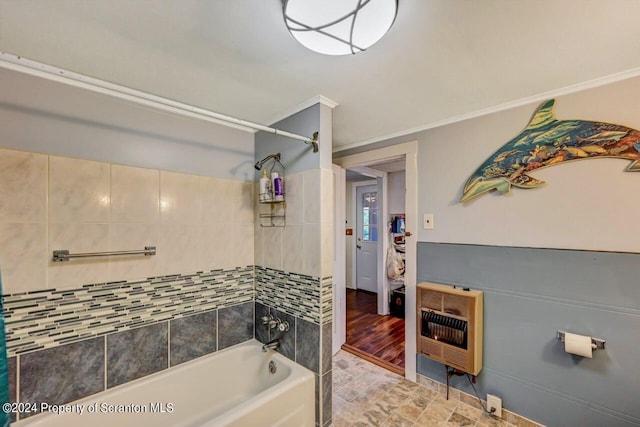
(441, 59)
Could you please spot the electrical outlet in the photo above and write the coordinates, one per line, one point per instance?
(494, 402)
(427, 221)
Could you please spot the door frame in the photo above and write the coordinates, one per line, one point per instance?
(410, 151)
(339, 260)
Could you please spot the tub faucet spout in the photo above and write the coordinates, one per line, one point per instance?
(271, 345)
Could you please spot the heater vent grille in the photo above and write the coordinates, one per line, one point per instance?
(441, 327)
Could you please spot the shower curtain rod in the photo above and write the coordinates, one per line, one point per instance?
(38, 69)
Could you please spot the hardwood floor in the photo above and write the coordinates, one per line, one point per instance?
(378, 339)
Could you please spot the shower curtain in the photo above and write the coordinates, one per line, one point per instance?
(4, 375)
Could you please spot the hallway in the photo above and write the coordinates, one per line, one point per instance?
(378, 339)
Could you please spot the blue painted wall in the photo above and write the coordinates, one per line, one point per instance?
(587, 285)
(296, 155)
(530, 293)
(52, 118)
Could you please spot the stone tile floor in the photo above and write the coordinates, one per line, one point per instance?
(367, 395)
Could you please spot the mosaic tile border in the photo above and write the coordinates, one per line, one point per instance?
(295, 294)
(326, 289)
(44, 319)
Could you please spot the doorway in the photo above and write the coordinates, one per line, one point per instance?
(374, 330)
(378, 331)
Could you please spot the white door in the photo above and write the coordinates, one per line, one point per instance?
(367, 238)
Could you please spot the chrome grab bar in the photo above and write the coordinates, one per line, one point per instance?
(64, 255)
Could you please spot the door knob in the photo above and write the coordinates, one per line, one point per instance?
(408, 234)
(358, 246)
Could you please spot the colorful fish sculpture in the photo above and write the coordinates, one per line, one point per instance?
(547, 141)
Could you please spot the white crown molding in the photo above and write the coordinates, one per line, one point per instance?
(318, 99)
(578, 87)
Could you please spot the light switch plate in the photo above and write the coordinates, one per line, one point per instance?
(427, 221)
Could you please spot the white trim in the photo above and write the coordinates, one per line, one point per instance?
(318, 99)
(410, 151)
(383, 238)
(543, 96)
(367, 171)
(339, 259)
(59, 75)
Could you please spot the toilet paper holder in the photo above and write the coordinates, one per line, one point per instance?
(596, 343)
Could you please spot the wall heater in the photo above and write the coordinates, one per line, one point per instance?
(450, 325)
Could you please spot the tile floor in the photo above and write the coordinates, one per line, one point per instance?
(367, 395)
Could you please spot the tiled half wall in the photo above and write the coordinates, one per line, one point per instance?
(305, 302)
(65, 345)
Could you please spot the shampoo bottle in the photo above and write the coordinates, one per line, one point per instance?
(278, 190)
(265, 187)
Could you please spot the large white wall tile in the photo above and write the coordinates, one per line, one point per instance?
(78, 238)
(312, 250)
(225, 200)
(179, 249)
(79, 191)
(23, 186)
(258, 242)
(293, 249)
(295, 198)
(312, 200)
(179, 198)
(243, 245)
(23, 257)
(133, 236)
(96, 207)
(326, 195)
(135, 194)
(272, 247)
(327, 248)
(216, 245)
(226, 245)
(233, 247)
(215, 194)
(247, 194)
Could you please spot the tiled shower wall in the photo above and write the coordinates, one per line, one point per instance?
(48, 202)
(294, 278)
(126, 317)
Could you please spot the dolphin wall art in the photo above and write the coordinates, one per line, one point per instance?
(547, 141)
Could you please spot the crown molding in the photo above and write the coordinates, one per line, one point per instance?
(578, 87)
(318, 99)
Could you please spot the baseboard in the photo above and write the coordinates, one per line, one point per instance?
(373, 359)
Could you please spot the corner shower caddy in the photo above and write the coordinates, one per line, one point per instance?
(276, 215)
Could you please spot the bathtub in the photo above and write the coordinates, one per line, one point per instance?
(231, 388)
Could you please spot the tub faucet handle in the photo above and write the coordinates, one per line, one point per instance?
(275, 323)
(266, 320)
(283, 326)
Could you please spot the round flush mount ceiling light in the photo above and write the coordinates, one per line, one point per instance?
(339, 27)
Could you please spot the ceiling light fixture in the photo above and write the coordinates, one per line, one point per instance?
(339, 27)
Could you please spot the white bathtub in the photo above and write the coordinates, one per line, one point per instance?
(232, 387)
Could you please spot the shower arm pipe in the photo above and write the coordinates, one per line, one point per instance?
(38, 69)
